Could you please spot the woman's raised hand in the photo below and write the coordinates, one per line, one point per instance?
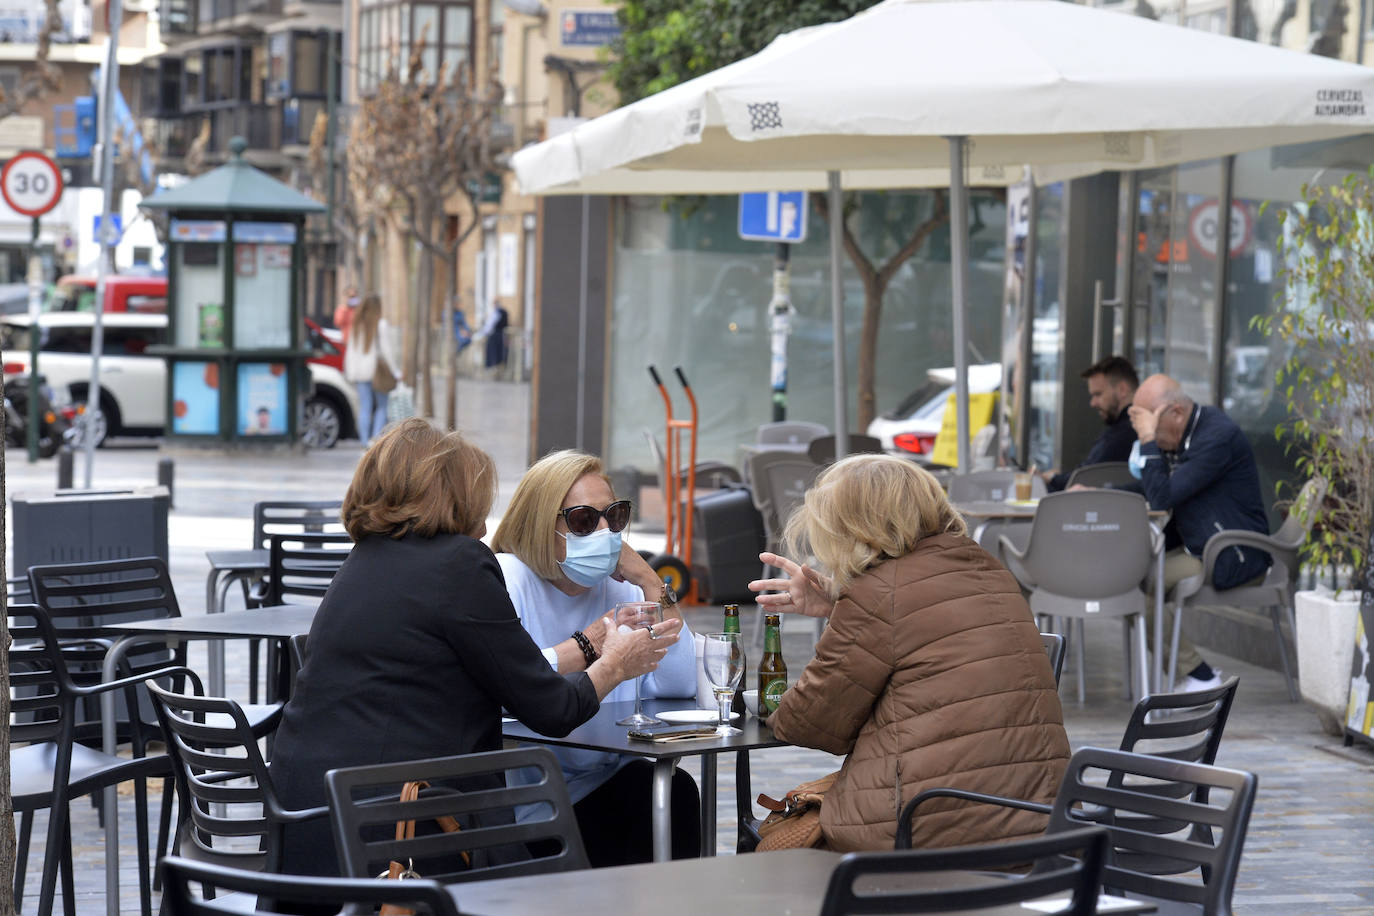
(636, 652)
(804, 591)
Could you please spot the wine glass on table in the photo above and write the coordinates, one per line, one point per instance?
(723, 659)
(639, 615)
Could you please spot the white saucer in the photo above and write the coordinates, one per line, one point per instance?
(691, 716)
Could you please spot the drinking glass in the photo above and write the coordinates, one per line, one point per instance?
(638, 615)
(723, 659)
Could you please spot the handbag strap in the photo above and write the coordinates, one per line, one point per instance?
(405, 830)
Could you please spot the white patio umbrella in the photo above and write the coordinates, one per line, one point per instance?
(918, 94)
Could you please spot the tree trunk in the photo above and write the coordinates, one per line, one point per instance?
(874, 290)
(451, 343)
(7, 853)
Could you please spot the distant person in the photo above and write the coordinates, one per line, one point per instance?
(343, 314)
(370, 363)
(1196, 463)
(494, 332)
(1111, 387)
(931, 671)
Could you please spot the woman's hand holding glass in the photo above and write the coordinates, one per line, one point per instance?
(804, 591)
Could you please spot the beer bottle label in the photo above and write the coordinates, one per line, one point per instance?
(772, 693)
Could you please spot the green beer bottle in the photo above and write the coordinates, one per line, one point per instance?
(772, 669)
(732, 626)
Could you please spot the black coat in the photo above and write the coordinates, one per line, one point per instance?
(1210, 483)
(1113, 445)
(414, 651)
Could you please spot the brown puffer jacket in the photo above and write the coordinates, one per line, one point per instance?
(931, 673)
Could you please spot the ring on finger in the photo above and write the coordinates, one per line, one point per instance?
(651, 632)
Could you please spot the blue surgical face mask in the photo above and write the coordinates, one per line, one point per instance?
(591, 558)
(1136, 461)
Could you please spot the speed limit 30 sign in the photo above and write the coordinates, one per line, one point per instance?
(31, 184)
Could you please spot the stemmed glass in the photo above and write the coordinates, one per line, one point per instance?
(723, 659)
(638, 615)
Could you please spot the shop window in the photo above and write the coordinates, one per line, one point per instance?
(308, 64)
(394, 28)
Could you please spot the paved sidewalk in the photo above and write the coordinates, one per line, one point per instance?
(1309, 838)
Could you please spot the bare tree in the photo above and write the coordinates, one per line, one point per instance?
(875, 279)
(419, 139)
(43, 77)
(350, 219)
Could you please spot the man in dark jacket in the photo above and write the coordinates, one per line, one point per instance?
(1199, 466)
(1111, 387)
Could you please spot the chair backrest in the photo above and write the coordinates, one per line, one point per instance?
(779, 481)
(1089, 545)
(364, 809)
(1069, 863)
(1104, 474)
(218, 763)
(42, 703)
(303, 564)
(821, 449)
(990, 486)
(1054, 648)
(789, 432)
(1298, 524)
(294, 517)
(1087, 797)
(274, 890)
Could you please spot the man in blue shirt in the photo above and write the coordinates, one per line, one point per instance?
(1199, 466)
(1111, 388)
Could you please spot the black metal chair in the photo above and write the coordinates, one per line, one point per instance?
(49, 766)
(272, 891)
(229, 811)
(1054, 648)
(1203, 851)
(1067, 863)
(365, 808)
(301, 566)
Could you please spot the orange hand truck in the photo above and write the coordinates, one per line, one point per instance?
(674, 565)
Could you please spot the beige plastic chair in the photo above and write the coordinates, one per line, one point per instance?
(1088, 554)
(778, 483)
(1274, 593)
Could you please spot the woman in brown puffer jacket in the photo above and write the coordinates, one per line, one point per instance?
(931, 671)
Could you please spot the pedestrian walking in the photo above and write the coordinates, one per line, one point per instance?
(370, 363)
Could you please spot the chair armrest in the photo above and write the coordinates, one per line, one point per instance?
(1235, 537)
(304, 814)
(136, 680)
(257, 595)
(1011, 558)
(904, 821)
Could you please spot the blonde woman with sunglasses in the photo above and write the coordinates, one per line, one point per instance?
(566, 564)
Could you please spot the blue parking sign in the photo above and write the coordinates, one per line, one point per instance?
(773, 216)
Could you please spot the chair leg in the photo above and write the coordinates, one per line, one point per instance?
(1079, 655)
(22, 858)
(68, 875)
(164, 827)
(145, 896)
(252, 670)
(52, 857)
(1142, 656)
(1171, 677)
(1128, 650)
(1282, 645)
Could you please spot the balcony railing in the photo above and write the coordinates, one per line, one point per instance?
(265, 127)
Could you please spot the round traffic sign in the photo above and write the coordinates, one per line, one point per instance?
(31, 184)
(1204, 229)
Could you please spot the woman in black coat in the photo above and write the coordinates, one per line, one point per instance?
(416, 648)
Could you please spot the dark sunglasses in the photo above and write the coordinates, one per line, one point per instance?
(582, 520)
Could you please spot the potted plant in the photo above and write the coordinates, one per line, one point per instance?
(1326, 320)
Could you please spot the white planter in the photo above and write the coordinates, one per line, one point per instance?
(1325, 643)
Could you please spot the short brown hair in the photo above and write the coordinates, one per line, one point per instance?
(527, 527)
(868, 508)
(1116, 369)
(417, 479)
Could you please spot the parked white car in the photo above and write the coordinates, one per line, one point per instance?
(910, 428)
(133, 382)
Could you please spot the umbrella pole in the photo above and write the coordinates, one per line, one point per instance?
(837, 315)
(958, 248)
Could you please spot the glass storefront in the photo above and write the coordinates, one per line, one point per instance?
(688, 292)
(1047, 344)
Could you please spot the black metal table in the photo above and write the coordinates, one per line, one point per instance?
(600, 733)
(226, 568)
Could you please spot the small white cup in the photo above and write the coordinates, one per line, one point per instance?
(751, 702)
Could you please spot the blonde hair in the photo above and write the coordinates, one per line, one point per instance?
(527, 528)
(418, 479)
(365, 321)
(868, 508)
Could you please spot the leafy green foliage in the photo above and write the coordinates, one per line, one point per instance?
(665, 42)
(1326, 316)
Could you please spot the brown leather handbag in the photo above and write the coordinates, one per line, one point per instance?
(405, 830)
(796, 820)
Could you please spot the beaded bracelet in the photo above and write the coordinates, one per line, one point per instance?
(588, 653)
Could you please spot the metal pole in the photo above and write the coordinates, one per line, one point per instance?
(330, 138)
(780, 326)
(35, 305)
(109, 88)
(837, 315)
(958, 248)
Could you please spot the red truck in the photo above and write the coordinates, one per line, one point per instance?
(122, 294)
